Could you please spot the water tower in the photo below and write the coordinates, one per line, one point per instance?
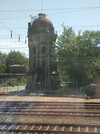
(42, 63)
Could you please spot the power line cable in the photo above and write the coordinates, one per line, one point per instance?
(14, 48)
(7, 27)
(79, 26)
(10, 28)
(73, 10)
(48, 9)
(12, 31)
(15, 18)
(15, 27)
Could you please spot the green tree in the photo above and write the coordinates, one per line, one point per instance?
(78, 56)
(16, 57)
(94, 35)
(2, 68)
(3, 57)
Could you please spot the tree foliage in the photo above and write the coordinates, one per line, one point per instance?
(78, 56)
(16, 57)
(3, 57)
(2, 62)
(13, 57)
(2, 68)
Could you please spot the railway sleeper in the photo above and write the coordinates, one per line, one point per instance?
(50, 128)
(46, 132)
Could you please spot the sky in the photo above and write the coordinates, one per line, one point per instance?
(15, 15)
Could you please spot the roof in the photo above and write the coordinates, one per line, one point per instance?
(16, 65)
(42, 22)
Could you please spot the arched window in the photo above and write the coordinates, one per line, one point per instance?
(34, 62)
(43, 62)
(43, 49)
(34, 49)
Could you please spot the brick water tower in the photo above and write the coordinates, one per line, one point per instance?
(42, 62)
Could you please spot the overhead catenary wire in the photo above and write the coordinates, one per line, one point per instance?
(14, 48)
(7, 27)
(24, 35)
(12, 31)
(18, 35)
(66, 8)
(22, 17)
(73, 10)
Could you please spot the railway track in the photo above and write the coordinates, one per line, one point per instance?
(69, 109)
(54, 110)
(55, 113)
(37, 128)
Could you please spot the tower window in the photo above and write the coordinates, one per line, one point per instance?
(34, 49)
(43, 62)
(34, 62)
(43, 49)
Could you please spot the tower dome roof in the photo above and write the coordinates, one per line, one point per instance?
(42, 22)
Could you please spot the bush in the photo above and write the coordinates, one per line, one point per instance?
(89, 91)
(15, 82)
(2, 68)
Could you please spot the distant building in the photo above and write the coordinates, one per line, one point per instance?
(16, 68)
(42, 62)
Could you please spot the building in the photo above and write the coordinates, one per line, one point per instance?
(16, 68)
(42, 62)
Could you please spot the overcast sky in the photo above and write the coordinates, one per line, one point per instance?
(15, 15)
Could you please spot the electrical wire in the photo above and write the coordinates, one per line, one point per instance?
(48, 9)
(73, 10)
(67, 10)
(15, 48)
(12, 31)
(15, 18)
(7, 27)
